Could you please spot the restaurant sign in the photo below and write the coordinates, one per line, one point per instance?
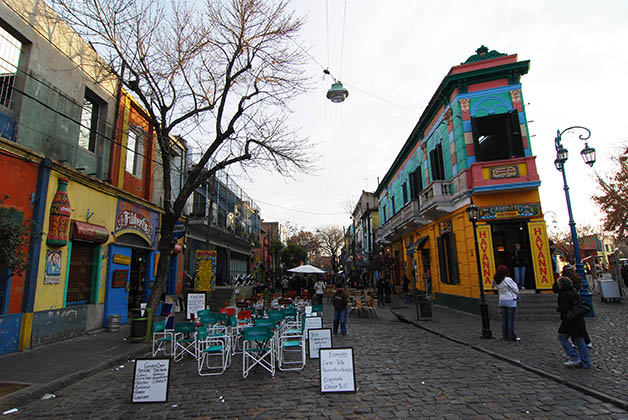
(136, 219)
(510, 211)
(501, 172)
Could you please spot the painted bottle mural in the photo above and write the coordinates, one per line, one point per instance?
(59, 216)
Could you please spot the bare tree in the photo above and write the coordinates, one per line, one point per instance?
(224, 70)
(613, 196)
(331, 240)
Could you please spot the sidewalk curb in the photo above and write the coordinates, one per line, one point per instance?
(623, 404)
(31, 393)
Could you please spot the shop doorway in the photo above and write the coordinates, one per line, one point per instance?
(137, 277)
(505, 237)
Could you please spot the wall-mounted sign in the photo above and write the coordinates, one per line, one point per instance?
(121, 259)
(444, 226)
(53, 267)
(89, 232)
(510, 211)
(150, 380)
(118, 279)
(136, 219)
(337, 372)
(60, 212)
(205, 271)
(541, 257)
(501, 172)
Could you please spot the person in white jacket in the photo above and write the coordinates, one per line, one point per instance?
(508, 296)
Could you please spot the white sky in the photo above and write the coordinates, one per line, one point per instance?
(401, 51)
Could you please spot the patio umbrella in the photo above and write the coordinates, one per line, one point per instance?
(307, 269)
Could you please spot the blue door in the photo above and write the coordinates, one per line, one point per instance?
(149, 278)
(117, 293)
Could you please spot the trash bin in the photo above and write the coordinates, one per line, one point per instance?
(425, 305)
(138, 329)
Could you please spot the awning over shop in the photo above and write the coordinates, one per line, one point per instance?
(89, 232)
(417, 245)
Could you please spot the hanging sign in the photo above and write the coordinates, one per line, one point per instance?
(487, 260)
(337, 373)
(194, 302)
(205, 271)
(318, 338)
(541, 259)
(150, 380)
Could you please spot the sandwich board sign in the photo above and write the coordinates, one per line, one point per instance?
(336, 367)
(313, 322)
(318, 338)
(195, 302)
(150, 380)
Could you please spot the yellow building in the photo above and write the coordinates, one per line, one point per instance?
(470, 143)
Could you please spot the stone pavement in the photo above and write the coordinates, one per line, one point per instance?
(401, 372)
(539, 347)
(48, 368)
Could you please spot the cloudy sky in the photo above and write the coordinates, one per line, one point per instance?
(392, 57)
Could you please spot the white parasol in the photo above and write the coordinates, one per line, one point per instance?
(307, 269)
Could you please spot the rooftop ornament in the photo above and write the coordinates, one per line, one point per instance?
(483, 53)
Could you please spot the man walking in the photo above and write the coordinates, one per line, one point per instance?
(340, 309)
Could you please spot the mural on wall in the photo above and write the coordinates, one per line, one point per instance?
(53, 267)
(60, 212)
(205, 271)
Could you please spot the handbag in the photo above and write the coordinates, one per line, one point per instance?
(578, 309)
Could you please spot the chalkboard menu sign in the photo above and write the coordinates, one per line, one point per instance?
(336, 367)
(318, 338)
(194, 302)
(150, 380)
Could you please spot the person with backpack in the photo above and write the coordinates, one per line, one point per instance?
(572, 325)
(341, 300)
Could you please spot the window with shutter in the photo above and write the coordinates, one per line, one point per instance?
(497, 137)
(436, 160)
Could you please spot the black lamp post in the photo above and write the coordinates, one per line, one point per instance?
(473, 213)
(588, 155)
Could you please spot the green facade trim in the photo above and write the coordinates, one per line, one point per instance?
(483, 53)
(67, 276)
(461, 303)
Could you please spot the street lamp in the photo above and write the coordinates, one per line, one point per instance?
(588, 155)
(473, 214)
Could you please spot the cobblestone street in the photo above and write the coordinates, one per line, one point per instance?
(401, 372)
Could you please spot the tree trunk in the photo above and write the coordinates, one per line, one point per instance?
(166, 246)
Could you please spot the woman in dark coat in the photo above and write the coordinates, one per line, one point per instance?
(574, 328)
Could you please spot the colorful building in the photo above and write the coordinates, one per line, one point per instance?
(470, 143)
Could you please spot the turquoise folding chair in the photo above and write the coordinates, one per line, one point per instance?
(290, 342)
(317, 308)
(184, 340)
(162, 339)
(212, 344)
(258, 349)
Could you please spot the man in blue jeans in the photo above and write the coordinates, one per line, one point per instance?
(340, 309)
(520, 262)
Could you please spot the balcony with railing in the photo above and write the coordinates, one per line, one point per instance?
(515, 173)
(435, 201)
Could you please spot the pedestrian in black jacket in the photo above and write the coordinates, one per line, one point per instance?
(573, 327)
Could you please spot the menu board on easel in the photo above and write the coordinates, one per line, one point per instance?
(194, 302)
(313, 322)
(150, 380)
(337, 372)
(318, 338)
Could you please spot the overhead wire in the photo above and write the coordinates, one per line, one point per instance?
(342, 45)
(298, 210)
